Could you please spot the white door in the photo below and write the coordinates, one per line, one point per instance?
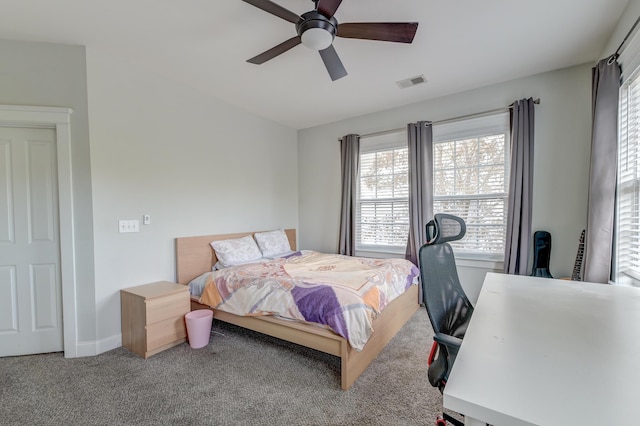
(30, 283)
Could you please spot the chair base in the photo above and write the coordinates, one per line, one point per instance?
(442, 420)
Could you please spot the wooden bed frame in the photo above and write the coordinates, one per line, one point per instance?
(194, 256)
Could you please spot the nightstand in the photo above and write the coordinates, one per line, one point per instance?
(153, 317)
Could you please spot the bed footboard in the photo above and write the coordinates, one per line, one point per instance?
(353, 362)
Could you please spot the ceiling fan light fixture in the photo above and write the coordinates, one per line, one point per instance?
(317, 38)
(316, 31)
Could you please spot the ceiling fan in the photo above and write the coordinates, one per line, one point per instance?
(317, 28)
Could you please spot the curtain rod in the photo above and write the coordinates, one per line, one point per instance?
(447, 120)
(624, 40)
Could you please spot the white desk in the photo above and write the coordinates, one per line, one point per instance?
(549, 352)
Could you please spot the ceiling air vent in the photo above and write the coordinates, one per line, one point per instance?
(411, 81)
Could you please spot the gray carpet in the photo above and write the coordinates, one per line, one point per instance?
(240, 378)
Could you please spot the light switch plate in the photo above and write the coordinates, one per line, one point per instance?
(128, 226)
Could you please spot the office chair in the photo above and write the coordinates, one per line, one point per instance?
(448, 307)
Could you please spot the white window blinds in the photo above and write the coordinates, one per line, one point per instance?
(471, 170)
(382, 217)
(628, 191)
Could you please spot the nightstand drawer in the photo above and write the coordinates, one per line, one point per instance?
(167, 307)
(153, 316)
(165, 332)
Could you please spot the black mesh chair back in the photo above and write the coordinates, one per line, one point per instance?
(448, 307)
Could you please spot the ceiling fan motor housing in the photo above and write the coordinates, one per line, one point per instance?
(316, 21)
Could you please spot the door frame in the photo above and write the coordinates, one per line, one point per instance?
(59, 119)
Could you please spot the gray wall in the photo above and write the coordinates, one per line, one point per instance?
(196, 165)
(562, 147)
(39, 74)
(627, 20)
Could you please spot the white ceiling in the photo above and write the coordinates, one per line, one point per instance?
(459, 45)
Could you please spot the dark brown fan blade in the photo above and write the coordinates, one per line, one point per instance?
(274, 9)
(399, 32)
(275, 51)
(332, 62)
(328, 7)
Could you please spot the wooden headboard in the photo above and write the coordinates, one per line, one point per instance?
(194, 255)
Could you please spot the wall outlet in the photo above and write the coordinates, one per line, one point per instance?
(128, 226)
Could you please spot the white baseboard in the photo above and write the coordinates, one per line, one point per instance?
(92, 348)
(108, 344)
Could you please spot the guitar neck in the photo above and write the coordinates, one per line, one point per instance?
(577, 267)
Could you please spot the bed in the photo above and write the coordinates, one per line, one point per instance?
(195, 256)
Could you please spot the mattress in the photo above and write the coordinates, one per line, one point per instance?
(344, 293)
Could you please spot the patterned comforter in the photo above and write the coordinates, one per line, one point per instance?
(342, 292)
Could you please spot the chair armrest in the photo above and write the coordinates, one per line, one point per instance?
(450, 341)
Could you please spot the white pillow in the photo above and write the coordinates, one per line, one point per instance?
(218, 266)
(272, 243)
(236, 251)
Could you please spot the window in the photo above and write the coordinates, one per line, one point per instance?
(382, 217)
(628, 191)
(471, 169)
(470, 177)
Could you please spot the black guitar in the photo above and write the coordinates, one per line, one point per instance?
(577, 267)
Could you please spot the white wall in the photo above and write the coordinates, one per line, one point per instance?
(625, 23)
(197, 165)
(43, 74)
(194, 164)
(562, 148)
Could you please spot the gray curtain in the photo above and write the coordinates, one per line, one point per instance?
(518, 233)
(420, 137)
(602, 175)
(350, 161)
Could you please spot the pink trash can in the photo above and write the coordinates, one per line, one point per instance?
(199, 327)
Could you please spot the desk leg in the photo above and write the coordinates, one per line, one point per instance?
(470, 421)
